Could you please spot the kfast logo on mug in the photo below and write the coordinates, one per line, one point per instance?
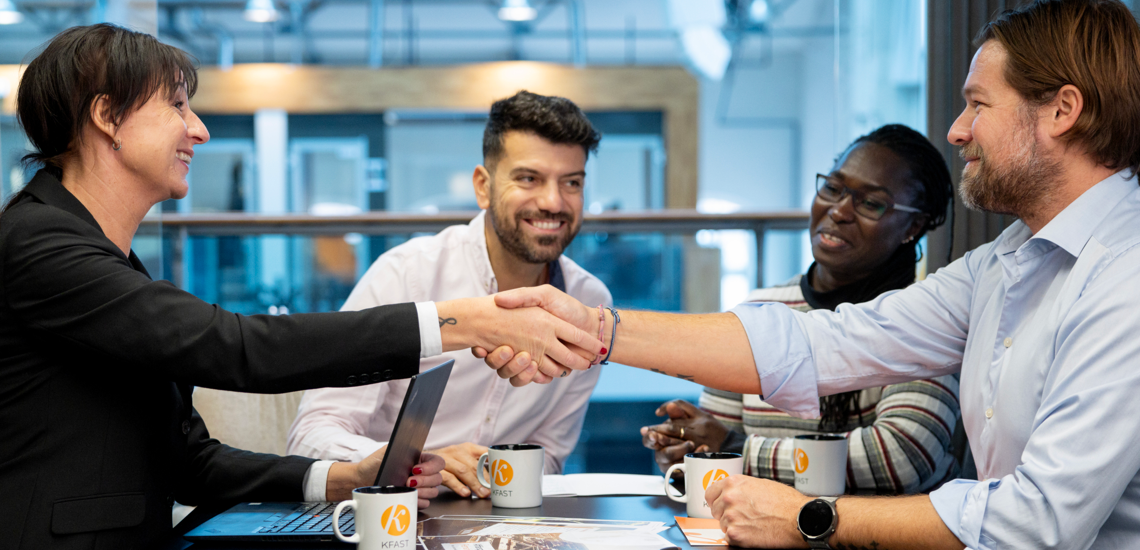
(713, 476)
(801, 461)
(502, 472)
(396, 520)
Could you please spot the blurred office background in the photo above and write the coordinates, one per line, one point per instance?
(693, 199)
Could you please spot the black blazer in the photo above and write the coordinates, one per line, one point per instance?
(97, 362)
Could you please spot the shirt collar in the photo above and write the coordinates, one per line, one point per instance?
(1072, 228)
(47, 187)
(477, 237)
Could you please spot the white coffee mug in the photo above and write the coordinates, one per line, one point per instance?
(516, 475)
(820, 463)
(701, 470)
(385, 518)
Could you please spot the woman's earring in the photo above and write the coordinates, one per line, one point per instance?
(909, 240)
(118, 144)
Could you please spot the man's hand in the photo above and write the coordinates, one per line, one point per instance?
(688, 430)
(556, 302)
(757, 513)
(459, 474)
(346, 476)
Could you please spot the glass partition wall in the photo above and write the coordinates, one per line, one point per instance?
(286, 216)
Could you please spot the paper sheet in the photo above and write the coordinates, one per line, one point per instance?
(503, 525)
(580, 540)
(589, 485)
(528, 529)
(701, 531)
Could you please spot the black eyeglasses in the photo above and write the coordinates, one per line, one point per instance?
(830, 190)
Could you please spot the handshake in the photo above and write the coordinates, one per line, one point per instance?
(533, 334)
(537, 334)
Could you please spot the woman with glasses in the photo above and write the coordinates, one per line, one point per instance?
(886, 190)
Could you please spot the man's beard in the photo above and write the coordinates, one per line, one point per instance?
(515, 242)
(1020, 186)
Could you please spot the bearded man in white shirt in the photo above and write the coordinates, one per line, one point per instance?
(530, 188)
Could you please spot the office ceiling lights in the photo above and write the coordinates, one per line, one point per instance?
(699, 23)
(517, 10)
(8, 13)
(258, 11)
(758, 11)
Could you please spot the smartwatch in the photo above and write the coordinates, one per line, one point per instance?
(817, 520)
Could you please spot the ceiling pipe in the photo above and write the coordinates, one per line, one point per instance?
(297, 14)
(219, 33)
(376, 34)
(576, 11)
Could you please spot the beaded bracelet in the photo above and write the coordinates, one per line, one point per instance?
(613, 335)
(601, 332)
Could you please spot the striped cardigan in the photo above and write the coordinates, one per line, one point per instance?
(900, 443)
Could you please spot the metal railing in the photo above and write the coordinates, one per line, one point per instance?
(184, 226)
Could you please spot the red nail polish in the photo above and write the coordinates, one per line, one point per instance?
(417, 470)
(412, 483)
(605, 351)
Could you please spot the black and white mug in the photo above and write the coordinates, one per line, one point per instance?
(516, 474)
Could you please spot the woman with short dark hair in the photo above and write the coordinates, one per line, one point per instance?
(97, 361)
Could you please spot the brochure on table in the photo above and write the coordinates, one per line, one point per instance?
(701, 531)
(496, 532)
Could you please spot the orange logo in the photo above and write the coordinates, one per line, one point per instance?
(801, 461)
(713, 476)
(396, 520)
(502, 472)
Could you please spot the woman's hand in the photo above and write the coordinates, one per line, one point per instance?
(688, 430)
(346, 476)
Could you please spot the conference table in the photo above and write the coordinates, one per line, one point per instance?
(643, 508)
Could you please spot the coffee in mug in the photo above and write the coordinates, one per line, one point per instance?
(820, 463)
(702, 470)
(385, 518)
(516, 474)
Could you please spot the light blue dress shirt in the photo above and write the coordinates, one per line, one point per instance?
(1045, 330)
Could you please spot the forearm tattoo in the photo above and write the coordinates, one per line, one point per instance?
(685, 377)
(448, 321)
(873, 546)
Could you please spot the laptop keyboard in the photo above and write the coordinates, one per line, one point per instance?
(313, 517)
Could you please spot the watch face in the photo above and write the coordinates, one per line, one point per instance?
(815, 518)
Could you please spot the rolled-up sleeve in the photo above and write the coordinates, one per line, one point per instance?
(911, 334)
(783, 357)
(961, 504)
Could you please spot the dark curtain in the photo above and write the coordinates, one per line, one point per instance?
(952, 27)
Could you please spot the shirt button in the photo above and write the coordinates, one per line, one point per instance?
(1008, 342)
(185, 427)
(989, 413)
(488, 420)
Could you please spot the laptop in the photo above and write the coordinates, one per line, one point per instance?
(312, 521)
